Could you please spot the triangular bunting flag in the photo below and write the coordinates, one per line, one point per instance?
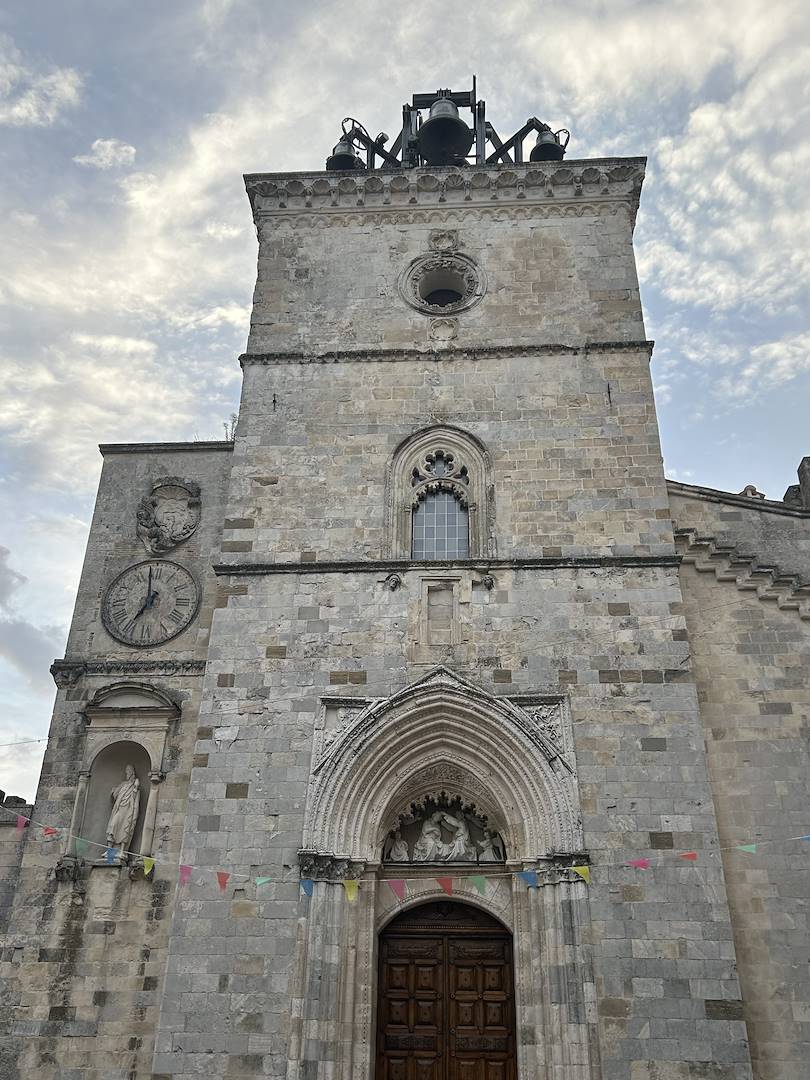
(222, 878)
(750, 848)
(21, 822)
(81, 847)
(148, 865)
(351, 886)
(640, 864)
(262, 880)
(306, 885)
(446, 883)
(530, 877)
(690, 855)
(584, 872)
(110, 855)
(800, 838)
(185, 874)
(478, 881)
(398, 888)
(48, 832)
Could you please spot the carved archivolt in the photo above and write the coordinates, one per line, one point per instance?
(441, 733)
(466, 472)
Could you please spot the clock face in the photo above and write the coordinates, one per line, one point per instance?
(149, 603)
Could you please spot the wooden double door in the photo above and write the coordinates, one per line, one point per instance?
(446, 997)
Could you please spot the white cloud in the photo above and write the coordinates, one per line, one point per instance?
(28, 648)
(30, 97)
(107, 154)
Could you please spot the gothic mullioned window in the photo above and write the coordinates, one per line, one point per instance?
(440, 518)
(440, 497)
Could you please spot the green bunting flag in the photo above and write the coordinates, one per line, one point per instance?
(478, 881)
(750, 848)
(263, 880)
(81, 847)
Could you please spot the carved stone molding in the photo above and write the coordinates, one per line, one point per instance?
(324, 866)
(67, 673)
(598, 181)
(441, 732)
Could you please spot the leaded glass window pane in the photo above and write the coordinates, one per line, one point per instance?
(441, 528)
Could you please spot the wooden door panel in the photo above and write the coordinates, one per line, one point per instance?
(445, 1010)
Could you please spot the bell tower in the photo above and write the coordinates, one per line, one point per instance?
(448, 643)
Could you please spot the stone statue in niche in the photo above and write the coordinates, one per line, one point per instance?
(168, 515)
(489, 849)
(399, 849)
(441, 830)
(126, 800)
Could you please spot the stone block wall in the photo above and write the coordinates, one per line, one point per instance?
(84, 953)
(751, 656)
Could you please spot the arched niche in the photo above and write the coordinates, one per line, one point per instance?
(469, 479)
(136, 716)
(106, 773)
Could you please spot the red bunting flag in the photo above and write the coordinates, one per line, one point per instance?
(48, 832)
(222, 878)
(398, 888)
(640, 864)
(21, 822)
(446, 883)
(690, 855)
(185, 874)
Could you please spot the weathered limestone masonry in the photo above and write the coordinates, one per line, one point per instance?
(85, 948)
(746, 583)
(609, 668)
(571, 596)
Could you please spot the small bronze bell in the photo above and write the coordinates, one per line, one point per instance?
(444, 138)
(549, 146)
(343, 157)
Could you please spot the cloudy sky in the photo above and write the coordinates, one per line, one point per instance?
(128, 257)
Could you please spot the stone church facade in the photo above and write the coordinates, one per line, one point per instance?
(435, 613)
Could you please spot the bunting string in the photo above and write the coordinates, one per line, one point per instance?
(532, 878)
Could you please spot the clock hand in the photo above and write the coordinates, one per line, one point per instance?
(150, 597)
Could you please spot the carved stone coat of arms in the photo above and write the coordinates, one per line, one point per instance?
(169, 514)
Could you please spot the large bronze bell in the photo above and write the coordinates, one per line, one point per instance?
(343, 157)
(549, 146)
(444, 138)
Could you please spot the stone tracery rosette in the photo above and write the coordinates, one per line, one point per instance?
(442, 269)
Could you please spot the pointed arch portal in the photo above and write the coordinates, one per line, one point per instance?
(443, 735)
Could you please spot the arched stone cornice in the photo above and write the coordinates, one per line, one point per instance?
(442, 732)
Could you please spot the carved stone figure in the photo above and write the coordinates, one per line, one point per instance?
(399, 849)
(430, 847)
(168, 515)
(489, 849)
(460, 849)
(126, 800)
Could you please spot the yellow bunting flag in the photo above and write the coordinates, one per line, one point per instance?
(148, 865)
(351, 886)
(584, 872)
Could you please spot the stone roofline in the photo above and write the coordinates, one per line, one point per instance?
(107, 449)
(765, 506)
(547, 183)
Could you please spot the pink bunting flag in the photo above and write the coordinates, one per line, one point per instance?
(21, 822)
(185, 874)
(584, 872)
(398, 888)
(446, 883)
(640, 864)
(690, 855)
(351, 886)
(222, 878)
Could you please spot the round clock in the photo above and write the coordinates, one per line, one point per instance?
(149, 603)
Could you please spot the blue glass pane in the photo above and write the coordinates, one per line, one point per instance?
(440, 528)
